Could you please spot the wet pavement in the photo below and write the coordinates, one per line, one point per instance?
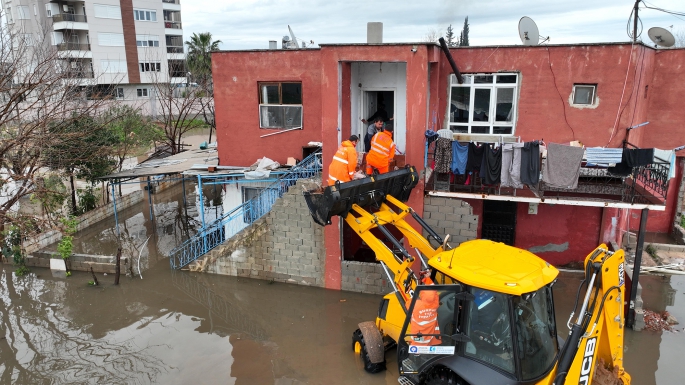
(182, 327)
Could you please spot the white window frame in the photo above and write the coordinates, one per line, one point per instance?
(263, 115)
(143, 92)
(35, 10)
(594, 94)
(119, 93)
(489, 126)
(147, 40)
(105, 11)
(107, 39)
(23, 12)
(108, 68)
(145, 15)
(151, 64)
(8, 15)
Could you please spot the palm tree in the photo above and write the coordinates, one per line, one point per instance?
(199, 59)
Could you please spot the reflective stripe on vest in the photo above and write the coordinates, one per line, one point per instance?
(340, 159)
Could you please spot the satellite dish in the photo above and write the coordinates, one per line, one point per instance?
(661, 37)
(528, 31)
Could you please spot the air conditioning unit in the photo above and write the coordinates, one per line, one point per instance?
(65, 8)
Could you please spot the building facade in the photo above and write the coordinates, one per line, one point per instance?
(114, 47)
(273, 102)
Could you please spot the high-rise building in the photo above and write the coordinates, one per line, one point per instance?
(115, 47)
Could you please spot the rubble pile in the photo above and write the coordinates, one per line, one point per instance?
(659, 321)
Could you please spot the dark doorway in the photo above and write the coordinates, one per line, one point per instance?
(499, 221)
(355, 249)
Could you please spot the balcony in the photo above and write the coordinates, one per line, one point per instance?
(69, 21)
(78, 74)
(172, 24)
(171, 1)
(174, 49)
(171, 5)
(647, 186)
(73, 47)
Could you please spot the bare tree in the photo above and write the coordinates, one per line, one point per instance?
(42, 93)
(679, 38)
(431, 36)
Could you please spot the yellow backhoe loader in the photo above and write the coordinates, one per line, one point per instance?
(481, 313)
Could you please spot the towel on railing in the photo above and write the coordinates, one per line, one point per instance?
(562, 167)
(460, 154)
(603, 156)
(530, 163)
(443, 155)
(634, 157)
(511, 165)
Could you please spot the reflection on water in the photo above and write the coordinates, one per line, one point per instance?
(168, 224)
(181, 327)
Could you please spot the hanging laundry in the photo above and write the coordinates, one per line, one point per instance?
(666, 156)
(492, 168)
(475, 157)
(530, 163)
(634, 157)
(604, 157)
(446, 133)
(562, 167)
(443, 155)
(511, 165)
(460, 154)
(431, 136)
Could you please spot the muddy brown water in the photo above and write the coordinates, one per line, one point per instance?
(182, 327)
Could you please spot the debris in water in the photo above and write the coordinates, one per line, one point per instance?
(658, 322)
(343, 300)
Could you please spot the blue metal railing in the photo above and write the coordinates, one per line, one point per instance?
(244, 215)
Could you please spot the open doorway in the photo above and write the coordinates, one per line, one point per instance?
(374, 103)
(499, 221)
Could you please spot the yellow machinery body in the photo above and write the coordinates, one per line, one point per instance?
(502, 269)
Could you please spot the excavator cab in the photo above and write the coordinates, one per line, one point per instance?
(481, 331)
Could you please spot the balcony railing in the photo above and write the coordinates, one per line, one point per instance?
(73, 47)
(646, 185)
(174, 49)
(172, 24)
(69, 17)
(79, 74)
(171, 1)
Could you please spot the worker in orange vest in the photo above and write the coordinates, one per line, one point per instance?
(382, 151)
(344, 162)
(424, 319)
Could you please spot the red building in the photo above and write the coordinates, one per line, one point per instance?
(558, 93)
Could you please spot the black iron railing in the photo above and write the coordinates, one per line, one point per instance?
(647, 184)
(73, 47)
(174, 49)
(69, 17)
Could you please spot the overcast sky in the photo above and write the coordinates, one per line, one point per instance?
(250, 24)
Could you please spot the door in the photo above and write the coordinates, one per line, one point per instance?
(499, 221)
(431, 327)
(371, 102)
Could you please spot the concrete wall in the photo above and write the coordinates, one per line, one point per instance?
(285, 246)
(85, 220)
(365, 278)
(80, 262)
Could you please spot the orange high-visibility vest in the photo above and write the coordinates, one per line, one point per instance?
(344, 163)
(424, 319)
(382, 150)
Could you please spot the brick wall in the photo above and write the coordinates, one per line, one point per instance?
(678, 231)
(364, 277)
(451, 216)
(285, 246)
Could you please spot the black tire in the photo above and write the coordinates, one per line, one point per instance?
(441, 375)
(358, 337)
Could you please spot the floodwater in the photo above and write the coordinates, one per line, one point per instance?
(177, 327)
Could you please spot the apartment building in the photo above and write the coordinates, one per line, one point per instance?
(113, 47)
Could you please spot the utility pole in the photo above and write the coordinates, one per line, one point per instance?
(635, 10)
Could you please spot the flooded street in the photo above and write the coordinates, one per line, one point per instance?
(181, 327)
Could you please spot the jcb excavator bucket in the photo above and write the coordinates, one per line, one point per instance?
(339, 198)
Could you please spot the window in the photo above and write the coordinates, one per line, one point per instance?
(147, 40)
(35, 10)
(23, 12)
(484, 104)
(51, 9)
(584, 94)
(280, 105)
(106, 11)
(142, 92)
(107, 39)
(113, 66)
(8, 14)
(144, 15)
(250, 213)
(488, 324)
(150, 67)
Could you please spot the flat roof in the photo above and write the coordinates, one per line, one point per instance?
(174, 164)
